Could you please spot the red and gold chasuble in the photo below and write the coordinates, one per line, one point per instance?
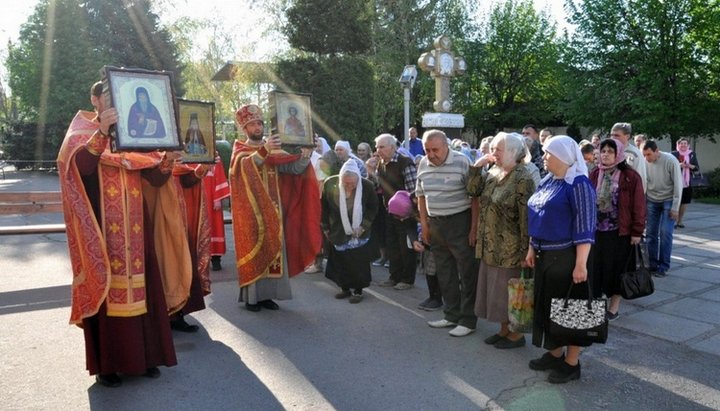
(107, 253)
(196, 222)
(261, 197)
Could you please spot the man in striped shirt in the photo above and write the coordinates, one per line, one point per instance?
(449, 219)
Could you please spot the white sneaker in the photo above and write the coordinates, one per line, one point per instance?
(403, 286)
(461, 331)
(312, 269)
(441, 323)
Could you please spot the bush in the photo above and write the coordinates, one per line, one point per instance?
(713, 190)
(19, 144)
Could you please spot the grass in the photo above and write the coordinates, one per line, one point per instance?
(708, 200)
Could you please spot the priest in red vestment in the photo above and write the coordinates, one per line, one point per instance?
(130, 259)
(276, 213)
(189, 179)
(217, 189)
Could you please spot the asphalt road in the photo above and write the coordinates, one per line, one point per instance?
(318, 353)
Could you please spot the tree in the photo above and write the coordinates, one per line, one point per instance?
(330, 38)
(342, 94)
(199, 69)
(513, 69)
(60, 51)
(330, 27)
(650, 69)
(404, 29)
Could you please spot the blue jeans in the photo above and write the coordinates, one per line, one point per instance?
(659, 231)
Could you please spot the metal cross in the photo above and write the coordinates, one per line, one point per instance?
(442, 65)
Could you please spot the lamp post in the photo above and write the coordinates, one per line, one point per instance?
(407, 80)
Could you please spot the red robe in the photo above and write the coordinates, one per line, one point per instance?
(118, 295)
(267, 205)
(216, 189)
(198, 232)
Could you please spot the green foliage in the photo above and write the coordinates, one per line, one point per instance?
(512, 76)
(714, 189)
(405, 29)
(60, 51)
(198, 72)
(224, 149)
(330, 27)
(342, 94)
(644, 62)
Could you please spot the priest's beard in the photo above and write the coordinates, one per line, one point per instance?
(257, 137)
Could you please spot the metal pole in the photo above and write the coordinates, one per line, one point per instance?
(406, 93)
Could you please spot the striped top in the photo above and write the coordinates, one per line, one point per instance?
(444, 186)
(561, 215)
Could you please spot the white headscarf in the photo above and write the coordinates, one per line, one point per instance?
(344, 144)
(567, 151)
(350, 167)
(325, 146)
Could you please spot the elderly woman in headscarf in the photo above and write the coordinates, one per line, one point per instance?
(349, 206)
(688, 165)
(561, 223)
(364, 151)
(502, 239)
(342, 153)
(621, 212)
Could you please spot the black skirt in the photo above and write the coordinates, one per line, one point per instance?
(350, 269)
(612, 257)
(553, 276)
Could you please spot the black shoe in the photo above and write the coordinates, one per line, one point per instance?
(252, 307)
(152, 372)
(343, 294)
(356, 298)
(434, 305)
(108, 380)
(564, 373)
(659, 274)
(493, 339)
(216, 263)
(612, 316)
(505, 343)
(269, 304)
(547, 362)
(182, 326)
(430, 304)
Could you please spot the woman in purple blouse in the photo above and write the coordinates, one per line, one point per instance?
(561, 223)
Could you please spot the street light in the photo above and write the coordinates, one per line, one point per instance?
(407, 80)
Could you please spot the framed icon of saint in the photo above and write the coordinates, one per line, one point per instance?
(291, 118)
(197, 128)
(146, 106)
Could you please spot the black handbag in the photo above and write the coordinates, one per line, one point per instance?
(697, 179)
(578, 321)
(638, 283)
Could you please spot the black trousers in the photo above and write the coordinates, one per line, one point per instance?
(403, 260)
(456, 266)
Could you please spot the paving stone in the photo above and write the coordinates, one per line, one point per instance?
(713, 295)
(667, 327)
(693, 309)
(696, 251)
(710, 345)
(657, 297)
(698, 273)
(681, 259)
(679, 285)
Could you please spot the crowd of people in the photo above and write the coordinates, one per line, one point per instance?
(472, 219)
(144, 229)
